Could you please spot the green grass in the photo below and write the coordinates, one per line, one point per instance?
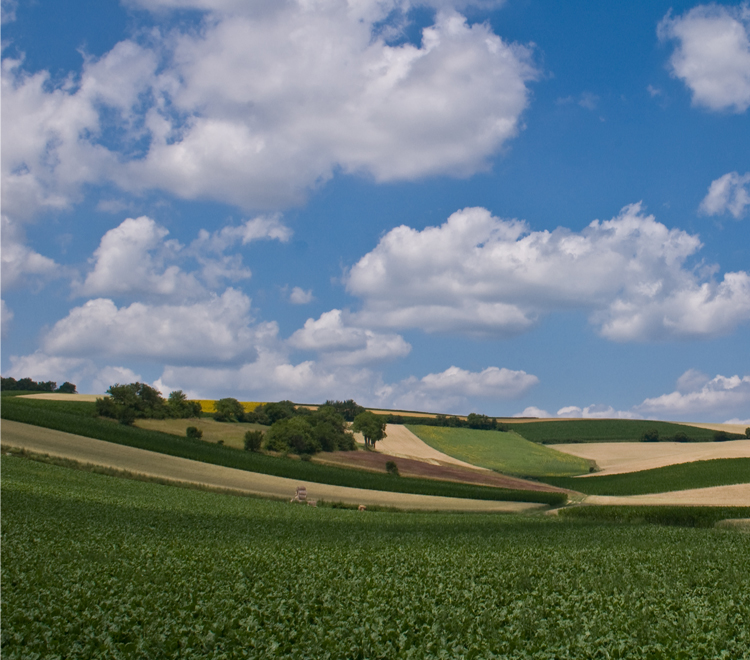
(605, 430)
(96, 567)
(79, 418)
(699, 474)
(231, 434)
(683, 516)
(508, 453)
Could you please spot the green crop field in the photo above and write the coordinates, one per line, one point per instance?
(96, 567)
(699, 474)
(230, 434)
(508, 453)
(605, 430)
(79, 418)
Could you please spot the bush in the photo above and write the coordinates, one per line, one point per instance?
(681, 436)
(747, 432)
(652, 435)
(253, 440)
(229, 410)
(392, 468)
(292, 435)
(721, 436)
(194, 433)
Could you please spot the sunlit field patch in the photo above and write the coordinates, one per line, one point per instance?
(508, 453)
(209, 405)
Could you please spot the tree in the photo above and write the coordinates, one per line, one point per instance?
(179, 406)
(67, 388)
(329, 429)
(721, 436)
(193, 432)
(132, 401)
(228, 410)
(293, 434)
(652, 435)
(747, 432)
(348, 409)
(370, 426)
(253, 440)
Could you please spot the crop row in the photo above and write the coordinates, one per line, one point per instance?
(698, 474)
(95, 567)
(79, 418)
(606, 430)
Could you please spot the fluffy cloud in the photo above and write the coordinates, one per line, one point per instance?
(729, 193)
(482, 275)
(450, 390)
(346, 345)
(20, 264)
(135, 259)
(299, 296)
(712, 56)
(262, 103)
(217, 330)
(696, 395)
(598, 411)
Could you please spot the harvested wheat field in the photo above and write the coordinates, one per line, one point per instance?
(621, 457)
(58, 396)
(401, 442)
(172, 469)
(736, 495)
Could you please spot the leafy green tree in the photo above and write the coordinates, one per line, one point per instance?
(132, 401)
(293, 434)
(721, 436)
(180, 407)
(253, 440)
(228, 410)
(348, 409)
(67, 388)
(193, 432)
(652, 435)
(370, 426)
(329, 428)
(747, 432)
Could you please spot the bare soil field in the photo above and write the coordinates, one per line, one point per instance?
(408, 467)
(183, 471)
(621, 457)
(736, 495)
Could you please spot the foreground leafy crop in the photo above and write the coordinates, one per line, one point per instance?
(505, 452)
(96, 567)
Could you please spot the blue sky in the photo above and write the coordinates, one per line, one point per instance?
(519, 207)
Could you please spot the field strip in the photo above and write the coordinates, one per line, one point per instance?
(161, 466)
(736, 495)
(59, 396)
(730, 428)
(622, 457)
(401, 442)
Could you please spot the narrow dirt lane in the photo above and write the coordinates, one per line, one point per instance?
(181, 470)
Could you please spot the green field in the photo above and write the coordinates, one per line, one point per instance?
(96, 567)
(230, 434)
(79, 418)
(605, 430)
(508, 453)
(699, 474)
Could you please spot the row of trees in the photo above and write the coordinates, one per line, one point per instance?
(126, 403)
(28, 385)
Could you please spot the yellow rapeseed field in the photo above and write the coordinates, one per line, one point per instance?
(209, 405)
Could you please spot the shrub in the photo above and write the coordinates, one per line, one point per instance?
(228, 410)
(721, 436)
(392, 468)
(747, 432)
(194, 432)
(292, 435)
(681, 436)
(253, 440)
(652, 435)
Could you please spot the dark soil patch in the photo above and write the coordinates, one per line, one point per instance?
(407, 467)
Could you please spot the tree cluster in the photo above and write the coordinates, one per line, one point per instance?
(28, 385)
(371, 426)
(127, 403)
(473, 421)
(310, 432)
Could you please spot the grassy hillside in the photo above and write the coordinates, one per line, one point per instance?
(95, 567)
(699, 474)
(231, 434)
(79, 418)
(605, 430)
(508, 453)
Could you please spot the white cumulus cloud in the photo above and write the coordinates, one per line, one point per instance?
(728, 194)
(481, 275)
(299, 296)
(20, 264)
(217, 330)
(263, 103)
(339, 343)
(712, 56)
(694, 397)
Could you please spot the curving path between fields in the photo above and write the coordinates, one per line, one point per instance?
(183, 471)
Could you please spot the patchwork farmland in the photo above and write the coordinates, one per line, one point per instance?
(87, 555)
